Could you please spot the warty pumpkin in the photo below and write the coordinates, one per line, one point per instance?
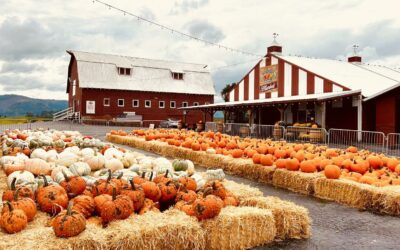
(25, 204)
(119, 207)
(68, 223)
(84, 204)
(51, 198)
(136, 194)
(23, 192)
(74, 185)
(13, 220)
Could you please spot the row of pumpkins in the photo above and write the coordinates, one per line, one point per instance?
(77, 183)
(353, 164)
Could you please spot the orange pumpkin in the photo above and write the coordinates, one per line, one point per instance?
(332, 172)
(267, 160)
(308, 166)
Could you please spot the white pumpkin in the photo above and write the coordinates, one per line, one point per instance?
(90, 180)
(80, 168)
(111, 153)
(74, 150)
(40, 181)
(86, 153)
(126, 174)
(199, 180)
(22, 157)
(190, 167)
(211, 151)
(146, 163)
(214, 174)
(52, 155)
(130, 157)
(161, 165)
(7, 159)
(57, 170)
(113, 164)
(66, 158)
(135, 168)
(21, 176)
(37, 166)
(39, 153)
(96, 162)
(101, 172)
(59, 176)
(179, 174)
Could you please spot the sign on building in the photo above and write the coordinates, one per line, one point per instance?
(268, 78)
(90, 107)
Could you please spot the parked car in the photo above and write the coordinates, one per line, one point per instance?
(169, 123)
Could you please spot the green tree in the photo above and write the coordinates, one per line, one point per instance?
(225, 91)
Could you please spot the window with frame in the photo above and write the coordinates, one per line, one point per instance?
(106, 102)
(172, 104)
(147, 104)
(124, 71)
(196, 104)
(161, 104)
(135, 103)
(177, 76)
(184, 104)
(121, 102)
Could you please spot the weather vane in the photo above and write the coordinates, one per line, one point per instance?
(355, 48)
(275, 35)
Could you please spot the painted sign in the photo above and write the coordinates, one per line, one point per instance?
(90, 107)
(269, 78)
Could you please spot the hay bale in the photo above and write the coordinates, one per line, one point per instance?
(345, 192)
(240, 190)
(295, 180)
(291, 221)
(385, 200)
(170, 230)
(239, 228)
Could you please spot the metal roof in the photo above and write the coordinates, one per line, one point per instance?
(100, 71)
(288, 99)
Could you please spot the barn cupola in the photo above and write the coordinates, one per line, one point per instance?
(355, 58)
(275, 47)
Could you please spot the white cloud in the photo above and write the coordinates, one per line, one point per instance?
(39, 32)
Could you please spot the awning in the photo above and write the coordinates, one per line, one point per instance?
(278, 100)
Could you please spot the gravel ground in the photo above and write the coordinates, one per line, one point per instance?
(334, 226)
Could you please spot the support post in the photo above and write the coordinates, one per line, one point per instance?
(359, 117)
(323, 117)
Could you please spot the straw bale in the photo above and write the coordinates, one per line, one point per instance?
(343, 191)
(213, 161)
(295, 180)
(240, 190)
(385, 200)
(291, 221)
(240, 228)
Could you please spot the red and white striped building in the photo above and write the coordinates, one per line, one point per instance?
(331, 93)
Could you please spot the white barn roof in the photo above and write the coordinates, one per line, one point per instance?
(372, 80)
(96, 70)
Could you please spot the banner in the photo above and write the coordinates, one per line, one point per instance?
(268, 78)
(90, 107)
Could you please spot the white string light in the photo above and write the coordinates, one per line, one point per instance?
(174, 31)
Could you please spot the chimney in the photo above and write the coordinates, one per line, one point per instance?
(275, 47)
(355, 58)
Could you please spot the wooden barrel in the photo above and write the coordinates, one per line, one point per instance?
(315, 136)
(277, 133)
(244, 131)
(199, 126)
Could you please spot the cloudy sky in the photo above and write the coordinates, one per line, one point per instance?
(35, 34)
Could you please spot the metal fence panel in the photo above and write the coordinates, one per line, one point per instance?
(267, 132)
(343, 138)
(393, 144)
(211, 126)
(306, 134)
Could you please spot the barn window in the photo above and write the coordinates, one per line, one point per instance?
(106, 102)
(121, 102)
(147, 104)
(195, 104)
(135, 103)
(124, 71)
(184, 104)
(161, 104)
(177, 76)
(172, 104)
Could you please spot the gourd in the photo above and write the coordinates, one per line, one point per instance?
(86, 153)
(37, 166)
(40, 180)
(39, 153)
(113, 164)
(7, 159)
(24, 203)
(111, 153)
(51, 156)
(56, 170)
(200, 181)
(161, 165)
(21, 177)
(68, 223)
(13, 220)
(80, 168)
(51, 198)
(214, 174)
(211, 151)
(135, 168)
(66, 159)
(90, 180)
(130, 157)
(74, 150)
(59, 176)
(180, 165)
(11, 167)
(74, 185)
(96, 162)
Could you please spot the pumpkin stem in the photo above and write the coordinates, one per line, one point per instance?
(69, 208)
(143, 174)
(120, 175)
(132, 184)
(14, 180)
(16, 194)
(65, 175)
(114, 193)
(44, 180)
(109, 176)
(10, 206)
(166, 173)
(151, 176)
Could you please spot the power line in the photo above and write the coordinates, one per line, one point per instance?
(232, 65)
(172, 30)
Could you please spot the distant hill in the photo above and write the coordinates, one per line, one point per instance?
(17, 105)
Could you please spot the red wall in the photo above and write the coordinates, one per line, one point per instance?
(153, 113)
(386, 114)
(342, 118)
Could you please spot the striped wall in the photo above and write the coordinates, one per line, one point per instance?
(292, 81)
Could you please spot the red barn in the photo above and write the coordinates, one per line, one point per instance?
(102, 86)
(332, 93)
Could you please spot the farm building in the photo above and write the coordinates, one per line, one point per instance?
(102, 86)
(334, 94)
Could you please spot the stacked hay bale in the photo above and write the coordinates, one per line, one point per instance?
(295, 181)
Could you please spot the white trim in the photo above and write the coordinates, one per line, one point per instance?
(104, 102)
(123, 102)
(183, 104)
(196, 104)
(274, 94)
(318, 85)
(274, 60)
(145, 104)
(302, 82)
(159, 104)
(288, 80)
(251, 85)
(138, 103)
(241, 90)
(170, 104)
(232, 95)
(336, 88)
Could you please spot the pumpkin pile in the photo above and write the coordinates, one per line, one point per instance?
(72, 178)
(361, 166)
